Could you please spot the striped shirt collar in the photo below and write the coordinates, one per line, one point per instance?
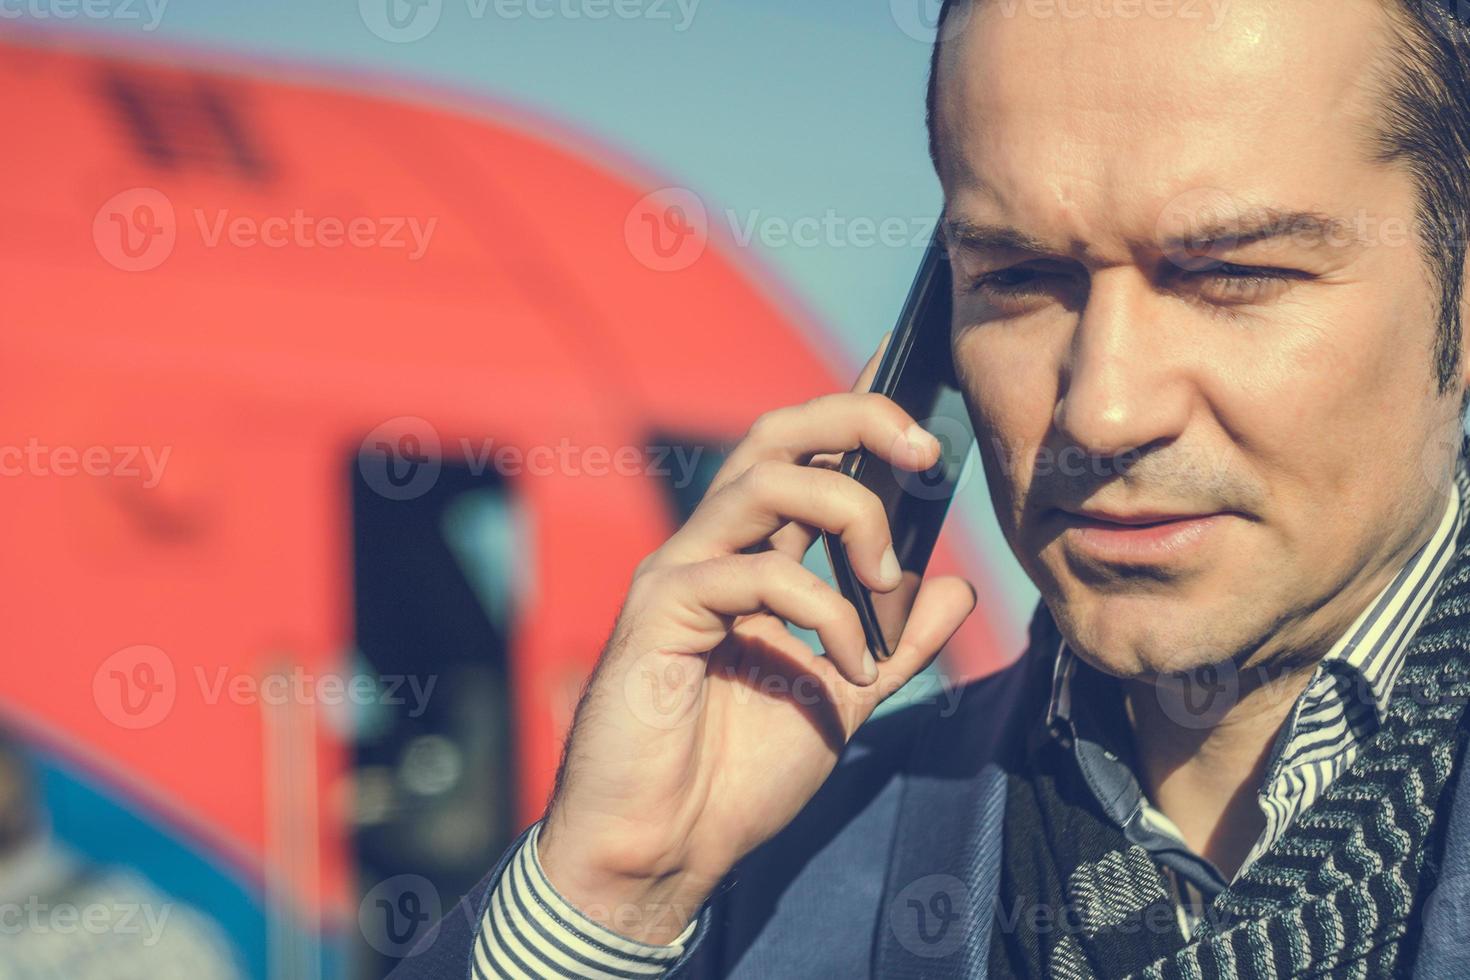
(1372, 649)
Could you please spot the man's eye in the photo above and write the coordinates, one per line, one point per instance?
(1230, 283)
(1015, 281)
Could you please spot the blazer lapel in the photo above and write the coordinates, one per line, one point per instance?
(943, 873)
(943, 876)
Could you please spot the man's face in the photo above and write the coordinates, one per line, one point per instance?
(1122, 356)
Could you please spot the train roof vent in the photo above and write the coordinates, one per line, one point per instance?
(183, 121)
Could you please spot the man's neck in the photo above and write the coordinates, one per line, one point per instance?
(1205, 779)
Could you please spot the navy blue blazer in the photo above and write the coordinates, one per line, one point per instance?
(892, 869)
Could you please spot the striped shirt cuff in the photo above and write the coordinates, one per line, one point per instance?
(529, 932)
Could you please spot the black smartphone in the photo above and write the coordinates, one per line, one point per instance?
(917, 372)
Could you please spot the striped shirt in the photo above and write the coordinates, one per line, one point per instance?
(530, 932)
(1343, 705)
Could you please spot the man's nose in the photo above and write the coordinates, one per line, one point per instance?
(1125, 382)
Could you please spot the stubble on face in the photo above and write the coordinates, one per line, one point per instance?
(1304, 410)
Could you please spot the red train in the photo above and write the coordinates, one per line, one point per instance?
(310, 394)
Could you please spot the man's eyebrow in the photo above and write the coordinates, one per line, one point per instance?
(1205, 232)
(1212, 232)
(978, 236)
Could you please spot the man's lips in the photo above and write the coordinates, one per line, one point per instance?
(1133, 519)
(1136, 537)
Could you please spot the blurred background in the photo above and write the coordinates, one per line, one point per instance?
(354, 353)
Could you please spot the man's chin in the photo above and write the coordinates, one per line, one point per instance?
(1143, 640)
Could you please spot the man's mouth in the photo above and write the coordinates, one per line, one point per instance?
(1138, 537)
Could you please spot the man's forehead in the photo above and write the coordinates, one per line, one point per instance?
(1024, 96)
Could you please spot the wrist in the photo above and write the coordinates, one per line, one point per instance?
(651, 908)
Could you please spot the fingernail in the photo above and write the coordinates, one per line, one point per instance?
(870, 666)
(921, 441)
(888, 569)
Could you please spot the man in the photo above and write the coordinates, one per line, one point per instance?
(1208, 305)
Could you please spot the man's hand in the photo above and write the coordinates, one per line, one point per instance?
(707, 725)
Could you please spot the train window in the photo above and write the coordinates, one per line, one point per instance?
(433, 604)
(684, 467)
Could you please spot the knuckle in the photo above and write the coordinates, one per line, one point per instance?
(818, 403)
(818, 591)
(763, 426)
(696, 576)
(839, 405)
(771, 564)
(875, 401)
(870, 513)
(760, 475)
(885, 408)
(647, 564)
(839, 617)
(827, 494)
(646, 584)
(834, 494)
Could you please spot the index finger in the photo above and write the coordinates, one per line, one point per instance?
(864, 381)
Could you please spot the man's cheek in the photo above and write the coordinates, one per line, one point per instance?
(1009, 468)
